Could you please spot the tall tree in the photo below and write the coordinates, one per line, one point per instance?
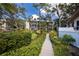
(66, 11)
(7, 9)
(13, 12)
(39, 6)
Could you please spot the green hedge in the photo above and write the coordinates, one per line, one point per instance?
(60, 49)
(31, 50)
(68, 39)
(14, 39)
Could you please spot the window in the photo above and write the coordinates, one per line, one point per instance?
(34, 18)
(77, 25)
(37, 18)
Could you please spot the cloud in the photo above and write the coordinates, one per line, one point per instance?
(43, 12)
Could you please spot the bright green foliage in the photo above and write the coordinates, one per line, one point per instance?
(34, 36)
(68, 39)
(13, 40)
(60, 49)
(31, 50)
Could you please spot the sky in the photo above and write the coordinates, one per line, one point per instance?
(32, 10)
(29, 7)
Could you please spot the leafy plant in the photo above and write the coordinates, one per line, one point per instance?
(68, 39)
(13, 40)
(60, 49)
(33, 49)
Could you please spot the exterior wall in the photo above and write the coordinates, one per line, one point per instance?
(36, 25)
(4, 25)
(74, 24)
(70, 31)
(33, 25)
(27, 25)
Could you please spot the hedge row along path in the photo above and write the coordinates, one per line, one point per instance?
(47, 49)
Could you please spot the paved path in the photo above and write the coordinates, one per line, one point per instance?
(47, 49)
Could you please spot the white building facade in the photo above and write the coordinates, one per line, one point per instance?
(3, 25)
(72, 28)
(36, 24)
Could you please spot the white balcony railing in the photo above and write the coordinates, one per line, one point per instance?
(70, 29)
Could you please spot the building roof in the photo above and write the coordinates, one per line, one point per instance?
(35, 16)
(74, 16)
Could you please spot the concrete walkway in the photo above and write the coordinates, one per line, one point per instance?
(47, 49)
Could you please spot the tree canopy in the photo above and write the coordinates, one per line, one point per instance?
(12, 13)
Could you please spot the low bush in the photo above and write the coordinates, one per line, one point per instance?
(68, 39)
(60, 49)
(32, 49)
(3, 44)
(34, 36)
(14, 39)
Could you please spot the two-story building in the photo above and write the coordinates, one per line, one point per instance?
(35, 23)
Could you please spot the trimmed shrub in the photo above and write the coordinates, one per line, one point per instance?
(32, 49)
(60, 49)
(68, 39)
(3, 44)
(14, 39)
